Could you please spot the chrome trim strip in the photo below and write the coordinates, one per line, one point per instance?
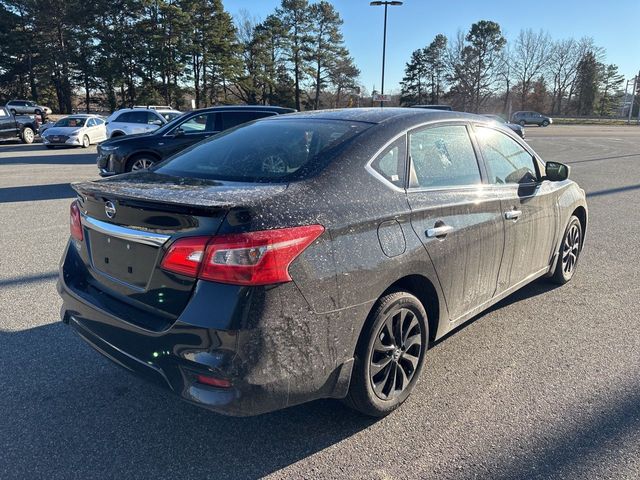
(124, 233)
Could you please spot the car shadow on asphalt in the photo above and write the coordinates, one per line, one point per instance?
(66, 156)
(72, 414)
(538, 287)
(30, 193)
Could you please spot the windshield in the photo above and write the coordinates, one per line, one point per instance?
(264, 151)
(71, 122)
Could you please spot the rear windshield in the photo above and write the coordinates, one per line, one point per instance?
(264, 151)
(71, 122)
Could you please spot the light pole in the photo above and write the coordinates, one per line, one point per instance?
(384, 37)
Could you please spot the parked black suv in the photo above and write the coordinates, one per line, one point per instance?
(136, 152)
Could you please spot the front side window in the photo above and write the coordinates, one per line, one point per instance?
(390, 164)
(203, 123)
(507, 161)
(443, 157)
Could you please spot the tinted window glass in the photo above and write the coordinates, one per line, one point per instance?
(232, 119)
(267, 151)
(391, 163)
(203, 123)
(443, 157)
(507, 161)
(154, 118)
(91, 122)
(133, 117)
(168, 116)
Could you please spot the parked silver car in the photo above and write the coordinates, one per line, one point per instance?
(131, 121)
(27, 107)
(75, 131)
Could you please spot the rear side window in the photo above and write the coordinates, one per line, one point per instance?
(91, 122)
(232, 119)
(507, 161)
(391, 163)
(266, 151)
(134, 117)
(443, 157)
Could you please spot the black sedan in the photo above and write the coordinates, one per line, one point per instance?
(313, 255)
(135, 152)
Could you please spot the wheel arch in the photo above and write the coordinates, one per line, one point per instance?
(424, 290)
(581, 213)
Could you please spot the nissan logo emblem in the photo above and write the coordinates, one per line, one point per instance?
(110, 209)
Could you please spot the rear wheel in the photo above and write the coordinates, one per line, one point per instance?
(28, 135)
(139, 163)
(86, 142)
(390, 355)
(570, 249)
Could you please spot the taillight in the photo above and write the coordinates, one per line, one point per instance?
(213, 381)
(253, 258)
(75, 224)
(185, 256)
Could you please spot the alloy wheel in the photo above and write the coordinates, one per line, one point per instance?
(395, 354)
(571, 249)
(141, 164)
(28, 135)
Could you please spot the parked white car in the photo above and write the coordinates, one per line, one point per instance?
(75, 130)
(131, 121)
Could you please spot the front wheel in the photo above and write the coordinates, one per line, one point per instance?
(545, 123)
(28, 135)
(570, 249)
(390, 355)
(139, 163)
(86, 142)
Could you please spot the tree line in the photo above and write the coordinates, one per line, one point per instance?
(480, 71)
(115, 53)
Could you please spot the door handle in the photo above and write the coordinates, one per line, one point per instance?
(441, 231)
(512, 214)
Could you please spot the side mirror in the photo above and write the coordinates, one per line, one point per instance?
(178, 132)
(556, 171)
(156, 122)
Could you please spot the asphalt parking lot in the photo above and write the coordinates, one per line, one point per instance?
(544, 385)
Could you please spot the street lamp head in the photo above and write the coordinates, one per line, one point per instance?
(379, 3)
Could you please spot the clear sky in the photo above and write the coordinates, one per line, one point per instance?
(613, 24)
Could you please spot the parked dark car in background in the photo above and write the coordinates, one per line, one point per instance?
(313, 255)
(519, 129)
(531, 118)
(23, 127)
(136, 152)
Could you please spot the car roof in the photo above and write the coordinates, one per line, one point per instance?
(252, 108)
(386, 115)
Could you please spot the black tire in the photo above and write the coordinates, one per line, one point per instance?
(569, 252)
(86, 142)
(137, 162)
(394, 339)
(522, 123)
(545, 123)
(27, 135)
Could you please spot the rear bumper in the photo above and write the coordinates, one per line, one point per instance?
(269, 364)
